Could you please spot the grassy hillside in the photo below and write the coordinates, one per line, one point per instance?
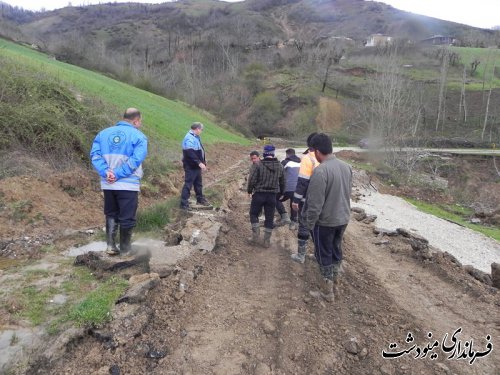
(165, 118)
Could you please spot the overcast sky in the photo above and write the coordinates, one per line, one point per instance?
(480, 13)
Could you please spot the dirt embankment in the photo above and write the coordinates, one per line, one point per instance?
(248, 311)
(44, 209)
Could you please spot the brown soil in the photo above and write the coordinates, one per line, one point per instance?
(249, 312)
(35, 211)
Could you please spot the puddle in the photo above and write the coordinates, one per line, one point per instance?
(93, 246)
(15, 343)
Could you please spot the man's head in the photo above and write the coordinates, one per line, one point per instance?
(254, 157)
(197, 128)
(322, 146)
(289, 152)
(309, 139)
(133, 116)
(268, 151)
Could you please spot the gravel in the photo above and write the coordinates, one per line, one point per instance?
(468, 246)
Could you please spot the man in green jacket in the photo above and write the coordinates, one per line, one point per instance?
(327, 211)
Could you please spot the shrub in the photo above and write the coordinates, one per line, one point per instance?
(265, 112)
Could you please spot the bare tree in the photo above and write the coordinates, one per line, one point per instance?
(463, 105)
(392, 111)
(328, 53)
(488, 102)
(442, 87)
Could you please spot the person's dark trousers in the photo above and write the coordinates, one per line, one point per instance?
(303, 232)
(279, 205)
(266, 200)
(328, 244)
(192, 177)
(122, 206)
(289, 196)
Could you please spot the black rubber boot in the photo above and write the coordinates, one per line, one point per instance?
(300, 257)
(125, 238)
(111, 230)
(254, 240)
(267, 238)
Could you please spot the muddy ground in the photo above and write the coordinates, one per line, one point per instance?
(249, 312)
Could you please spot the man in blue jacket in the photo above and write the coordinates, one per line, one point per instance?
(117, 155)
(194, 163)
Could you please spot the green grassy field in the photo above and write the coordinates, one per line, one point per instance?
(164, 118)
(456, 215)
(489, 58)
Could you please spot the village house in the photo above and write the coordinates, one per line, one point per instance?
(376, 40)
(439, 40)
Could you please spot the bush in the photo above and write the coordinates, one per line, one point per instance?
(265, 112)
(42, 115)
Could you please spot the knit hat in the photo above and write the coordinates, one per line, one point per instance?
(268, 151)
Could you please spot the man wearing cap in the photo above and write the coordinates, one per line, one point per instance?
(194, 163)
(117, 155)
(327, 211)
(266, 180)
(307, 165)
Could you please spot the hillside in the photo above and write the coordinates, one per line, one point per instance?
(275, 67)
(165, 119)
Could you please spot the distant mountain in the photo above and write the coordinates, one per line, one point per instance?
(240, 60)
(243, 23)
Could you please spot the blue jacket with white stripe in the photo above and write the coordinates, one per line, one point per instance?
(193, 152)
(121, 148)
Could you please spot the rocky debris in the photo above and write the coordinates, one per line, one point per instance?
(352, 346)
(114, 370)
(59, 347)
(25, 245)
(268, 327)
(173, 234)
(384, 232)
(129, 320)
(381, 242)
(359, 216)
(417, 242)
(370, 219)
(155, 353)
(164, 258)
(478, 275)
(139, 286)
(358, 210)
(162, 270)
(201, 232)
(452, 259)
(495, 275)
(475, 220)
(262, 369)
(100, 261)
(443, 368)
(364, 353)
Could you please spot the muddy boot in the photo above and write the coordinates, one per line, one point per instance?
(293, 225)
(254, 240)
(300, 257)
(326, 285)
(267, 238)
(285, 220)
(125, 239)
(111, 229)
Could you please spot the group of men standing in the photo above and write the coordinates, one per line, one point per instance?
(319, 188)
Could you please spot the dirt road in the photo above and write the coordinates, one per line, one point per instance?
(249, 312)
